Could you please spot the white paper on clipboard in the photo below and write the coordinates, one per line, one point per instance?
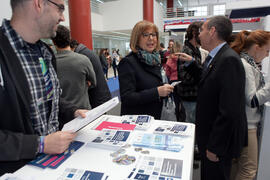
(79, 122)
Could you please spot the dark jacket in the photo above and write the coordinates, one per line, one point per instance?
(103, 61)
(18, 143)
(138, 87)
(101, 93)
(188, 88)
(221, 123)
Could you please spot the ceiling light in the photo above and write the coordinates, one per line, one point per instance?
(180, 3)
(99, 1)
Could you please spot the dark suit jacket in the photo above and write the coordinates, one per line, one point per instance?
(221, 124)
(138, 87)
(18, 141)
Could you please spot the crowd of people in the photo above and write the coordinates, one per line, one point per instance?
(222, 89)
(214, 81)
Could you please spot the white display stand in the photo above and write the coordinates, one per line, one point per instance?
(264, 158)
(99, 160)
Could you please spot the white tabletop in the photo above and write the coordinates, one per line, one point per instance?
(99, 160)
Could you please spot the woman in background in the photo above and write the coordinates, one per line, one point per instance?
(115, 62)
(104, 62)
(141, 86)
(253, 47)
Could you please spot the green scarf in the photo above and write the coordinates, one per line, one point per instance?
(152, 59)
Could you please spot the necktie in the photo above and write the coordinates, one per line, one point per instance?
(206, 62)
(207, 59)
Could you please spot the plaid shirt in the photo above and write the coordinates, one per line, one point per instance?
(43, 111)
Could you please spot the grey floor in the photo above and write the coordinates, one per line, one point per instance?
(116, 111)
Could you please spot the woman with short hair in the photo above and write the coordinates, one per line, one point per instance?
(141, 86)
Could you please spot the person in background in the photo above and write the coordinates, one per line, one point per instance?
(187, 89)
(141, 86)
(168, 52)
(30, 104)
(100, 93)
(162, 54)
(221, 122)
(115, 61)
(108, 57)
(75, 71)
(104, 62)
(172, 74)
(252, 47)
(204, 54)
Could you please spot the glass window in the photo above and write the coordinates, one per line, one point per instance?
(198, 11)
(219, 9)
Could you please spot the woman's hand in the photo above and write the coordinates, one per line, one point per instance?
(165, 90)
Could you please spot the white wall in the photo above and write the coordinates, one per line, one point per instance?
(97, 22)
(247, 4)
(96, 19)
(158, 15)
(5, 10)
(122, 14)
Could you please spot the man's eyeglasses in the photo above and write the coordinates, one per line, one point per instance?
(60, 7)
(147, 35)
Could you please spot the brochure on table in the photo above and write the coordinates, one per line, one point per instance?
(158, 141)
(110, 139)
(80, 174)
(79, 122)
(149, 167)
(175, 129)
(142, 122)
(54, 161)
(115, 126)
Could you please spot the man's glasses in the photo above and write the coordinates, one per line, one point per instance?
(60, 7)
(147, 35)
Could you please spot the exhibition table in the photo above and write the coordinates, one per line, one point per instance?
(100, 159)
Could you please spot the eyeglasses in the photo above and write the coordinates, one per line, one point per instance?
(147, 35)
(60, 7)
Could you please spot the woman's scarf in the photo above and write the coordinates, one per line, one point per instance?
(152, 59)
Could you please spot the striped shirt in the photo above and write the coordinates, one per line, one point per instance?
(44, 109)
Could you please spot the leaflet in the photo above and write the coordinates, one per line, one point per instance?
(148, 167)
(176, 129)
(54, 161)
(110, 139)
(159, 141)
(114, 125)
(80, 174)
(142, 122)
(79, 122)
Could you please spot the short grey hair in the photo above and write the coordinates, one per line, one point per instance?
(15, 3)
(223, 26)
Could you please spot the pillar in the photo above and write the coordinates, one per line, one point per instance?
(80, 21)
(148, 10)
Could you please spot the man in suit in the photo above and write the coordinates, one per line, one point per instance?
(221, 125)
